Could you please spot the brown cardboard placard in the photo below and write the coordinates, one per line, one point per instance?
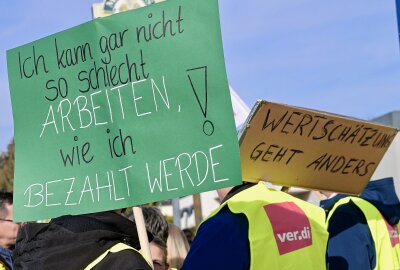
(298, 147)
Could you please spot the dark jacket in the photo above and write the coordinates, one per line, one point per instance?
(5, 258)
(72, 242)
(221, 241)
(350, 243)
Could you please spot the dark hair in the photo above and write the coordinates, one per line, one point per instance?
(189, 235)
(163, 246)
(160, 243)
(155, 222)
(5, 198)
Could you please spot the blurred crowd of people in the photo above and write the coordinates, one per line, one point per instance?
(255, 227)
(105, 240)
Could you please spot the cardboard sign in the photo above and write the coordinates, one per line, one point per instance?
(293, 146)
(389, 165)
(121, 111)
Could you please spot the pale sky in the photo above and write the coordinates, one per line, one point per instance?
(335, 56)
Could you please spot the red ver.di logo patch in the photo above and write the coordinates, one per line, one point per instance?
(291, 226)
(393, 233)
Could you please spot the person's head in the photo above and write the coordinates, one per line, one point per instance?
(155, 222)
(8, 229)
(327, 194)
(177, 246)
(158, 250)
(222, 192)
(189, 236)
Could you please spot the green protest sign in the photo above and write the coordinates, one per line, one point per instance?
(122, 111)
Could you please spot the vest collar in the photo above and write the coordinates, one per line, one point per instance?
(329, 203)
(236, 189)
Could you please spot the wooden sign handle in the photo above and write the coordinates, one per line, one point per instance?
(142, 233)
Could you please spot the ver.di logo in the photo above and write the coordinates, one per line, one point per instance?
(290, 225)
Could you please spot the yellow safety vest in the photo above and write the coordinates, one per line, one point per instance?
(3, 266)
(284, 232)
(116, 248)
(396, 249)
(387, 254)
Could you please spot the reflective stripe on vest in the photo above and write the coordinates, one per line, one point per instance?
(281, 235)
(116, 248)
(387, 257)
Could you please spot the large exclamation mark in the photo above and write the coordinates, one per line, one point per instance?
(198, 81)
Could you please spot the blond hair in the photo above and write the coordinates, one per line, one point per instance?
(177, 246)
